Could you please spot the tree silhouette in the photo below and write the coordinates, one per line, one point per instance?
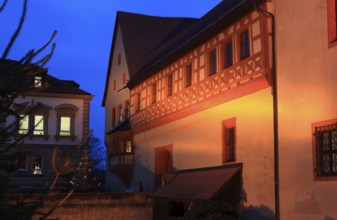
(16, 80)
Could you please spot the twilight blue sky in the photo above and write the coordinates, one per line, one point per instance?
(83, 42)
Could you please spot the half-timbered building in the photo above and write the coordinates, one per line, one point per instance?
(245, 91)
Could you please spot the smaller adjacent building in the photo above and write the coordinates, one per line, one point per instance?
(54, 117)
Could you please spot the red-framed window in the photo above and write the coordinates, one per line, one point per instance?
(169, 85)
(229, 140)
(324, 145)
(113, 116)
(188, 75)
(119, 59)
(244, 45)
(127, 109)
(154, 93)
(124, 78)
(114, 85)
(227, 57)
(213, 62)
(332, 22)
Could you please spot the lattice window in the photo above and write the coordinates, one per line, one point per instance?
(326, 150)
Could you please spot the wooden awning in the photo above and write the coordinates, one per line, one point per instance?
(222, 182)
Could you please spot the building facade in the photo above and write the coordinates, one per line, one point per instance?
(244, 84)
(54, 117)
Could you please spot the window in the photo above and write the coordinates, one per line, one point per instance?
(127, 109)
(114, 85)
(128, 147)
(325, 150)
(37, 164)
(38, 125)
(228, 54)
(169, 85)
(244, 45)
(154, 93)
(188, 75)
(65, 126)
(119, 59)
(38, 81)
(66, 121)
(113, 116)
(124, 78)
(229, 140)
(24, 124)
(120, 113)
(212, 62)
(22, 162)
(138, 102)
(332, 24)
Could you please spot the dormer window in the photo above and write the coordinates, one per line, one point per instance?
(38, 81)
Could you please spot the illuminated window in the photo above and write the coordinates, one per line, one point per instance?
(229, 140)
(66, 121)
(38, 125)
(128, 146)
(38, 81)
(154, 93)
(188, 75)
(24, 124)
(120, 113)
(228, 54)
(169, 85)
(325, 150)
(36, 164)
(65, 126)
(244, 45)
(212, 62)
(332, 24)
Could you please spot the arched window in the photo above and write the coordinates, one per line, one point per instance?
(66, 121)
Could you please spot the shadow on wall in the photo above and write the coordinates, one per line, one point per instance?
(261, 212)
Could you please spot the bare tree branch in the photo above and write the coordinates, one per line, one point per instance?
(16, 33)
(3, 5)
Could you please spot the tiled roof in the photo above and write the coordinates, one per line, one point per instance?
(221, 16)
(124, 126)
(14, 74)
(204, 183)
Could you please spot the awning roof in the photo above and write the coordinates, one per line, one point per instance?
(204, 183)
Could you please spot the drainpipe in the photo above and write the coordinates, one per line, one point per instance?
(275, 114)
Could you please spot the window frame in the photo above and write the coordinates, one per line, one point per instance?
(154, 93)
(225, 54)
(227, 126)
(120, 113)
(314, 129)
(244, 43)
(169, 85)
(127, 109)
(113, 116)
(332, 22)
(66, 110)
(212, 62)
(188, 75)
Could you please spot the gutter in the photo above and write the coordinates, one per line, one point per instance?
(275, 114)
